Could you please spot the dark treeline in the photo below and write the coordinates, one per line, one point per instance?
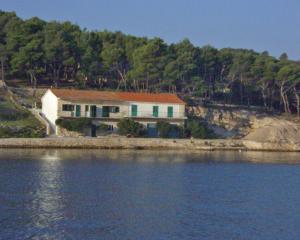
(60, 53)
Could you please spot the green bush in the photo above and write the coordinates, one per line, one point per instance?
(13, 115)
(75, 125)
(166, 130)
(127, 126)
(26, 132)
(103, 127)
(197, 129)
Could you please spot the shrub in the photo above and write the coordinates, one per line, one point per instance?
(164, 129)
(75, 125)
(13, 115)
(167, 130)
(197, 129)
(26, 132)
(127, 126)
(103, 127)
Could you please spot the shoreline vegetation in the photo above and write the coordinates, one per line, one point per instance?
(148, 144)
(246, 99)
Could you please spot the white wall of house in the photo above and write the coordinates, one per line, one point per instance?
(122, 105)
(143, 110)
(49, 107)
(146, 110)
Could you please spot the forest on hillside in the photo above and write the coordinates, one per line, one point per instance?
(62, 54)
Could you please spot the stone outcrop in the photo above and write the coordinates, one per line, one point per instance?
(226, 122)
(275, 130)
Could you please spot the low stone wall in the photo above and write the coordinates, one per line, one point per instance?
(144, 143)
(62, 132)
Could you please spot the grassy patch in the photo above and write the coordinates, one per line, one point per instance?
(16, 121)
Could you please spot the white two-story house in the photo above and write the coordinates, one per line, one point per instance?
(110, 107)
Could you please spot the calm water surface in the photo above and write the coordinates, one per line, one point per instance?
(96, 194)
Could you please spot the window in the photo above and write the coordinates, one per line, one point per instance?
(105, 111)
(93, 112)
(170, 112)
(68, 107)
(114, 109)
(78, 110)
(134, 110)
(86, 108)
(155, 111)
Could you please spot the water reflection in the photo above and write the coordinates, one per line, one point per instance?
(53, 155)
(47, 196)
(109, 194)
(151, 156)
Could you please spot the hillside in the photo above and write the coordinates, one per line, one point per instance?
(255, 125)
(16, 121)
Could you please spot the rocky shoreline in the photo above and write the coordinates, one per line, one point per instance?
(148, 144)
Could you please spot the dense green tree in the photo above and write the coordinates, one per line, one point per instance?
(90, 68)
(148, 64)
(29, 57)
(182, 68)
(61, 53)
(115, 64)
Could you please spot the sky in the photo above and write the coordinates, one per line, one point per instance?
(271, 25)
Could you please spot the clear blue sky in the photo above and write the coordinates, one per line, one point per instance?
(272, 25)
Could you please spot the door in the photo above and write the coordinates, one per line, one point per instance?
(155, 111)
(105, 111)
(78, 110)
(93, 111)
(152, 130)
(134, 110)
(87, 110)
(93, 130)
(170, 112)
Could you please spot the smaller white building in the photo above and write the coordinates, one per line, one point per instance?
(110, 107)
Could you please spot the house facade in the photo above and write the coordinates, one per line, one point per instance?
(110, 107)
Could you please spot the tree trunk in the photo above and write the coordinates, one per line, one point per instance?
(33, 81)
(283, 99)
(287, 104)
(2, 74)
(123, 78)
(264, 99)
(297, 102)
(2, 70)
(34, 85)
(241, 89)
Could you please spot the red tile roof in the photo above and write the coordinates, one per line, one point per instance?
(94, 96)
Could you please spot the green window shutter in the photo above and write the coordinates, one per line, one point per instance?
(105, 111)
(170, 112)
(155, 111)
(134, 110)
(78, 110)
(93, 111)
